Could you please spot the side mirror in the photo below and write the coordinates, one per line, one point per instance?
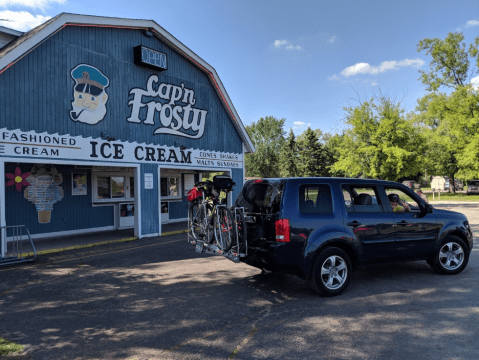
(428, 208)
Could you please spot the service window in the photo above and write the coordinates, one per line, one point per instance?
(400, 201)
(170, 187)
(361, 199)
(112, 187)
(315, 199)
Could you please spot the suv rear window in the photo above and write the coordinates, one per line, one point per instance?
(261, 196)
(315, 199)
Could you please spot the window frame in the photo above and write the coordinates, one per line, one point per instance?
(378, 193)
(412, 194)
(312, 185)
(126, 187)
(179, 193)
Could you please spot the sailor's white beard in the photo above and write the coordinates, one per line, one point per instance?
(87, 116)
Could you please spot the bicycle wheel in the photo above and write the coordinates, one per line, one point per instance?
(197, 218)
(224, 228)
(193, 210)
(240, 225)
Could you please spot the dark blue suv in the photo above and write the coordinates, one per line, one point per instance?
(321, 228)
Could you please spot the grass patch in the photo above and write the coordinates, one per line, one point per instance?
(9, 347)
(453, 197)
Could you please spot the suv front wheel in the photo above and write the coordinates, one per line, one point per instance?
(452, 256)
(331, 272)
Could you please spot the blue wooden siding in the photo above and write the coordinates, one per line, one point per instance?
(70, 213)
(178, 209)
(39, 89)
(149, 201)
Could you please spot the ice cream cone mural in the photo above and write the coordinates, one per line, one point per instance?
(44, 190)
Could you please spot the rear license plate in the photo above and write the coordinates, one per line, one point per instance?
(199, 248)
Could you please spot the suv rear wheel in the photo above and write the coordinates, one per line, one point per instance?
(331, 272)
(452, 256)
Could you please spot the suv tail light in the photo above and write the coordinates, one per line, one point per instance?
(282, 230)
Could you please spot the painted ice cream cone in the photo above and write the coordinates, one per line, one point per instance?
(44, 190)
(44, 216)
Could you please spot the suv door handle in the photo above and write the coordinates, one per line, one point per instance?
(403, 223)
(354, 223)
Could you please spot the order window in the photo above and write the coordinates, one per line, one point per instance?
(170, 187)
(112, 188)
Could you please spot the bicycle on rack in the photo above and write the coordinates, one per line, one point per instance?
(209, 219)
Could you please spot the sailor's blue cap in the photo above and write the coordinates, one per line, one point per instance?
(87, 74)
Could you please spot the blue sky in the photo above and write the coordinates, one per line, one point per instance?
(299, 60)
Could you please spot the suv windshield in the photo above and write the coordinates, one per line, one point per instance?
(261, 195)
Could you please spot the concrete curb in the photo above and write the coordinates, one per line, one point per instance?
(174, 232)
(77, 247)
(85, 246)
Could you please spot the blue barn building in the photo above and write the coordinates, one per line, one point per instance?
(106, 123)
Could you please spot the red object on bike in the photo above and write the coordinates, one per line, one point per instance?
(194, 194)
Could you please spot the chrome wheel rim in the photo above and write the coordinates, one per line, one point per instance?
(451, 256)
(334, 272)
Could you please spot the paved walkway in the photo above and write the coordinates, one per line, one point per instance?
(95, 239)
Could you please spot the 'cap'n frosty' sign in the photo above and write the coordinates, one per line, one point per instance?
(177, 115)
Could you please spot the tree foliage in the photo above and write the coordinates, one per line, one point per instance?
(267, 135)
(450, 61)
(289, 158)
(379, 143)
(452, 116)
(315, 159)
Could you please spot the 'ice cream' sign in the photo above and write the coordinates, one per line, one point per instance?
(175, 118)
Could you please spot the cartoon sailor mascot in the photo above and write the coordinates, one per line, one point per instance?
(89, 105)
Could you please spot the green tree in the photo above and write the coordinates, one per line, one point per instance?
(314, 157)
(289, 157)
(332, 144)
(267, 135)
(451, 108)
(380, 142)
(450, 64)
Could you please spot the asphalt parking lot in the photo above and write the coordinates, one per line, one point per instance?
(157, 299)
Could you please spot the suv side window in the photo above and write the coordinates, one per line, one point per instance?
(364, 199)
(406, 202)
(315, 199)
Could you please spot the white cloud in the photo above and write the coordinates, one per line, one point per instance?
(334, 77)
(475, 82)
(292, 47)
(472, 23)
(331, 40)
(374, 84)
(34, 4)
(279, 43)
(365, 68)
(287, 44)
(300, 124)
(21, 20)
